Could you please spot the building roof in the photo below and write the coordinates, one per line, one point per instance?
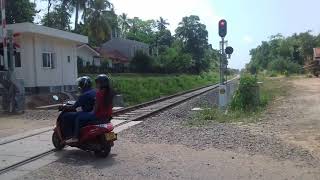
(125, 41)
(90, 48)
(316, 52)
(114, 55)
(47, 31)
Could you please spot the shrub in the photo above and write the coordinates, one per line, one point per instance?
(141, 63)
(285, 66)
(246, 97)
(273, 74)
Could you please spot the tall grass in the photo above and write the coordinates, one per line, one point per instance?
(138, 88)
(271, 89)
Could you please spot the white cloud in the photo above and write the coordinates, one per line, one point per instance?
(248, 39)
(172, 10)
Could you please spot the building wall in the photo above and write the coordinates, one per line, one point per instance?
(27, 71)
(32, 71)
(87, 56)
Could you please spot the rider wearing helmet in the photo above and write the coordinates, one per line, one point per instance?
(102, 110)
(87, 98)
(85, 101)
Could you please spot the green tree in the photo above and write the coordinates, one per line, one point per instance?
(142, 31)
(164, 39)
(18, 11)
(174, 60)
(101, 19)
(162, 24)
(49, 5)
(141, 63)
(194, 36)
(78, 6)
(59, 18)
(123, 24)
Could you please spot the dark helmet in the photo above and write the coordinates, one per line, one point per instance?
(84, 82)
(103, 80)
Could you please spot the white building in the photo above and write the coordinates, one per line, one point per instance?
(47, 57)
(87, 55)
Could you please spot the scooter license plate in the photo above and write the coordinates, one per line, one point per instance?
(111, 136)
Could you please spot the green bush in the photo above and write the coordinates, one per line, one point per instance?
(246, 97)
(284, 66)
(273, 74)
(141, 63)
(173, 60)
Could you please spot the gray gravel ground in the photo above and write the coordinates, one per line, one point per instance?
(169, 127)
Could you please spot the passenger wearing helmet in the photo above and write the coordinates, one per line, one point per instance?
(104, 97)
(102, 109)
(85, 101)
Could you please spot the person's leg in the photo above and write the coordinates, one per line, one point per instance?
(67, 120)
(82, 120)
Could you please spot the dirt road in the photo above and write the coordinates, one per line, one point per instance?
(30, 120)
(284, 145)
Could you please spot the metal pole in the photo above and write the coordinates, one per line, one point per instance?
(10, 59)
(4, 34)
(222, 61)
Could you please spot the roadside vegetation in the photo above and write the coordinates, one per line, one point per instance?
(139, 88)
(283, 55)
(247, 104)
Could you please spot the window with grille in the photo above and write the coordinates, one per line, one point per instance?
(48, 60)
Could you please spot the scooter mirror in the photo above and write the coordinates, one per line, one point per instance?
(55, 97)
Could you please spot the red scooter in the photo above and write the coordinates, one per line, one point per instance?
(97, 137)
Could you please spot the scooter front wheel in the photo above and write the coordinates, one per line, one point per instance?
(56, 141)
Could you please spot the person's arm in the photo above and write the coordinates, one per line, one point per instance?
(79, 102)
(96, 102)
(95, 107)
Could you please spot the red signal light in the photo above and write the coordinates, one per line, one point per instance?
(222, 28)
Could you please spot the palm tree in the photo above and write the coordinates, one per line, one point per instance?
(100, 14)
(48, 11)
(79, 5)
(162, 24)
(124, 24)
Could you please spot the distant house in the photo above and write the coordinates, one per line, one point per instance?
(87, 55)
(46, 59)
(124, 47)
(316, 54)
(314, 65)
(117, 58)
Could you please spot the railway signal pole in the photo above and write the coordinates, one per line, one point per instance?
(223, 94)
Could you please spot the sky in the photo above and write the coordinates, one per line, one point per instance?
(249, 21)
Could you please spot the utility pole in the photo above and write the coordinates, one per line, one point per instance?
(10, 102)
(4, 33)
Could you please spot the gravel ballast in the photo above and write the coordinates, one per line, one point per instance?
(170, 127)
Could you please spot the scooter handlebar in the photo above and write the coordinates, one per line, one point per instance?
(66, 108)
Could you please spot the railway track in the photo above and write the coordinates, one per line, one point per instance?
(122, 116)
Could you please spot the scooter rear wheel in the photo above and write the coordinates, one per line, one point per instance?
(56, 141)
(105, 149)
